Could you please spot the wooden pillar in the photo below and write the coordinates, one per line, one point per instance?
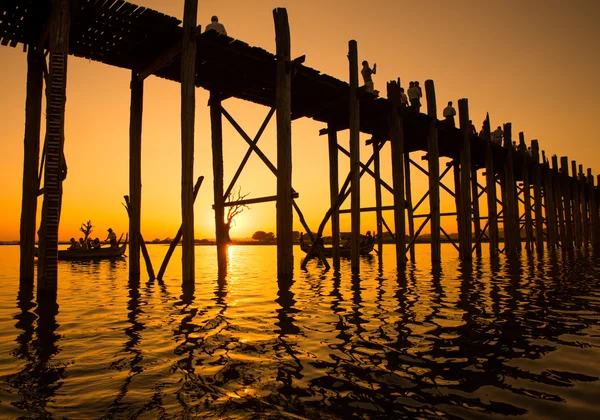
(566, 190)
(558, 199)
(283, 101)
(409, 205)
(216, 124)
(578, 230)
(537, 197)
(457, 201)
(333, 193)
(594, 233)
(397, 146)
(465, 180)
(54, 173)
(433, 153)
(490, 178)
(527, 200)
(549, 197)
(511, 226)
(378, 212)
(31, 159)
(354, 156)
(135, 174)
(476, 216)
(596, 209)
(188, 109)
(585, 206)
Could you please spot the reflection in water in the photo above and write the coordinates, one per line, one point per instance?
(488, 338)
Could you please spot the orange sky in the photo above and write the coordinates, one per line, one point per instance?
(531, 63)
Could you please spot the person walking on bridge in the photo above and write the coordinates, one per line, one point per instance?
(449, 113)
(214, 25)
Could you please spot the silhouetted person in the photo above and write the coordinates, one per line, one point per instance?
(497, 135)
(112, 238)
(74, 245)
(414, 94)
(472, 129)
(366, 75)
(449, 113)
(214, 25)
(403, 99)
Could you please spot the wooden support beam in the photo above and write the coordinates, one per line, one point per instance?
(142, 243)
(550, 204)
(31, 158)
(283, 104)
(365, 166)
(378, 215)
(257, 200)
(368, 210)
(333, 193)
(476, 216)
(409, 206)
(566, 190)
(465, 181)
(188, 108)
(527, 199)
(434, 173)
(537, 196)
(511, 230)
(216, 125)
(60, 21)
(135, 174)
(449, 166)
(355, 156)
(395, 122)
(249, 152)
(585, 208)
(578, 228)
(558, 199)
(594, 228)
(458, 205)
(177, 238)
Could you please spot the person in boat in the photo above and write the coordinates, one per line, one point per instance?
(82, 245)
(74, 245)
(344, 242)
(96, 244)
(366, 239)
(112, 238)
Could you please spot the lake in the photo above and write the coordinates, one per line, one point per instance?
(485, 340)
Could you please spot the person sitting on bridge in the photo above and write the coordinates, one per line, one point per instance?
(214, 25)
(497, 135)
(449, 113)
(112, 238)
(366, 74)
(472, 129)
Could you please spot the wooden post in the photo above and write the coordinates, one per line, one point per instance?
(31, 158)
(566, 190)
(560, 209)
(433, 153)
(397, 146)
(354, 155)
(490, 178)
(135, 173)
(578, 233)
(585, 206)
(283, 101)
(596, 209)
(476, 216)
(378, 212)
(409, 205)
(511, 228)
(188, 108)
(457, 201)
(216, 124)
(465, 179)
(54, 171)
(593, 209)
(527, 198)
(537, 197)
(333, 194)
(549, 197)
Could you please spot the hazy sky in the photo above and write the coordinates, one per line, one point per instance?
(530, 62)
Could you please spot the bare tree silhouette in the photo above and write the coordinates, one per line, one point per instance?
(234, 209)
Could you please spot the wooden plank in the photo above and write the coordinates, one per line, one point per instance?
(216, 125)
(333, 193)
(395, 121)
(354, 118)
(31, 158)
(135, 174)
(257, 200)
(433, 154)
(283, 101)
(188, 107)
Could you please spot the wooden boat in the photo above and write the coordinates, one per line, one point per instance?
(94, 254)
(365, 248)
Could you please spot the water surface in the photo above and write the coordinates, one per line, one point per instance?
(487, 340)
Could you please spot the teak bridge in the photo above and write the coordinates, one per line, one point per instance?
(556, 206)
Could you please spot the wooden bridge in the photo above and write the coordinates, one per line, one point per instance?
(556, 206)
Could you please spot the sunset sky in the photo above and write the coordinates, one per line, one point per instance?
(533, 63)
